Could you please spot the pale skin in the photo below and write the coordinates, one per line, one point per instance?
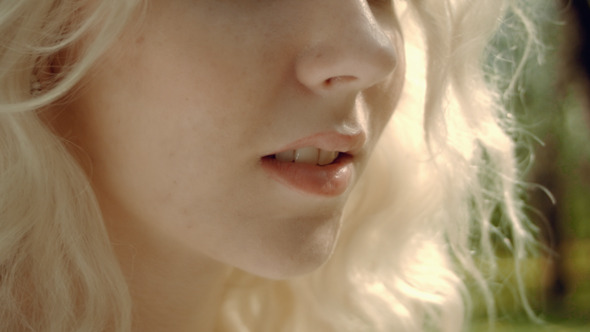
(175, 118)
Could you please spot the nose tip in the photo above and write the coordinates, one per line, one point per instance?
(353, 57)
(346, 69)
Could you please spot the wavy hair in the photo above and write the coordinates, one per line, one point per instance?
(425, 209)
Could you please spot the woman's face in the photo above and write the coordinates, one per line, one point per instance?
(191, 125)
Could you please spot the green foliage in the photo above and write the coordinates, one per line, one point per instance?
(554, 143)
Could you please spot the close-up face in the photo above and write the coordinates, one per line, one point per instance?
(236, 129)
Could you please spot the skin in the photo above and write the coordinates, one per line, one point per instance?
(173, 121)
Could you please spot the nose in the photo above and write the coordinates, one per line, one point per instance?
(348, 49)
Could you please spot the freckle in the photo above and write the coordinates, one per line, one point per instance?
(140, 40)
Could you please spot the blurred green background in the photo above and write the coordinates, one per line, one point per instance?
(555, 114)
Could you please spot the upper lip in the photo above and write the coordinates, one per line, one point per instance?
(329, 141)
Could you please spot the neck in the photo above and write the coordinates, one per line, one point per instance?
(172, 288)
(171, 294)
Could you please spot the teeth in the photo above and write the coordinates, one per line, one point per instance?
(285, 155)
(308, 155)
(327, 157)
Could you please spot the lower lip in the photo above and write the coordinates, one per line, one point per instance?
(327, 180)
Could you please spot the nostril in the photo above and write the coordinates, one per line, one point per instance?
(337, 80)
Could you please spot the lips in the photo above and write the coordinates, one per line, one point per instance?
(320, 165)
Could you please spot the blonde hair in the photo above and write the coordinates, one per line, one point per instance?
(424, 204)
(57, 270)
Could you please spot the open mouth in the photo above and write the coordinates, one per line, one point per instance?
(308, 155)
(311, 170)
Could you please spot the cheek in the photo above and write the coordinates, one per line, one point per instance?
(163, 142)
(383, 99)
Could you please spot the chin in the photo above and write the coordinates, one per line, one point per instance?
(295, 254)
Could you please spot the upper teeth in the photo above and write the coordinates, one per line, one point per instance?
(308, 155)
